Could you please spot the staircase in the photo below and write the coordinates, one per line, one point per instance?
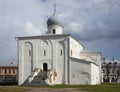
(41, 78)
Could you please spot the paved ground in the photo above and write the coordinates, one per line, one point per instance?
(55, 90)
(33, 89)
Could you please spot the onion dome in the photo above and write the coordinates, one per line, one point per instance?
(54, 20)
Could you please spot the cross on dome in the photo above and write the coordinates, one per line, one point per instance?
(54, 8)
(54, 19)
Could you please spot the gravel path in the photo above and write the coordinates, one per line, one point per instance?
(55, 90)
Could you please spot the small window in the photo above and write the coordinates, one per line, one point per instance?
(61, 52)
(14, 71)
(118, 72)
(5, 71)
(104, 63)
(14, 79)
(71, 53)
(110, 63)
(29, 52)
(5, 78)
(53, 31)
(9, 71)
(115, 63)
(44, 52)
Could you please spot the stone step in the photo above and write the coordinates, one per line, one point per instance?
(39, 79)
(41, 75)
(38, 82)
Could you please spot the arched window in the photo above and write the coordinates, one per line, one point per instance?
(44, 52)
(71, 53)
(53, 31)
(9, 71)
(60, 52)
(104, 63)
(5, 71)
(13, 71)
(45, 66)
(109, 63)
(30, 53)
(115, 63)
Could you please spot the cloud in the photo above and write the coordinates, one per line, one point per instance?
(8, 46)
(94, 22)
(77, 28)
(99, 20)
(32, 30)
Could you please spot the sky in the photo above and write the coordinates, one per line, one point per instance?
(95, 23)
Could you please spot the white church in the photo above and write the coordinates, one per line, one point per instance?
(56, 58)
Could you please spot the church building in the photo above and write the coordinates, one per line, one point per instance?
(56, 58)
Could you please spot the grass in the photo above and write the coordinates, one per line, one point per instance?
(106, 87)
(102, 88)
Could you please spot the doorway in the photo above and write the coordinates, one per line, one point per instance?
(45, 66)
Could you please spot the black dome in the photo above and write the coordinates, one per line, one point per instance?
(54, 20)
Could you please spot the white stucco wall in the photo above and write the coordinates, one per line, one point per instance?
(20, 63)
(75, 48)
(95, 79)
(56, 55)
(70, 69)
(96, 58)
(60, 64)
(80, 71)
(44, 53)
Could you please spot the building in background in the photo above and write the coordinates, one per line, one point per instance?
(111, 70)
(8, 74)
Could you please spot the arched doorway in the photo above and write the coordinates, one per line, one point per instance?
(45, 66)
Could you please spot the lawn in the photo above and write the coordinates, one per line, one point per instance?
(106, 87)
(102, 88)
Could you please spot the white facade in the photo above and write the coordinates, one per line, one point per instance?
(95, 78)
(56, 58)
(59, 52)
